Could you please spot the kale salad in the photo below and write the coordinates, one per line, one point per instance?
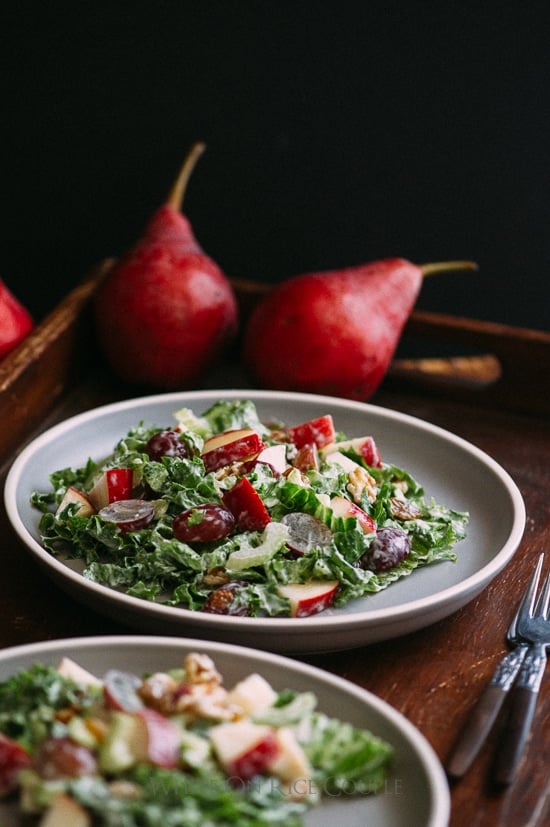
(175, 747)
(221, 512)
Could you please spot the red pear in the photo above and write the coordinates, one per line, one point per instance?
(15, 321)
(334, 332)
(166, 310)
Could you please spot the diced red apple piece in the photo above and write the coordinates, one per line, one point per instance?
(345, 508)
(291, 765)
(12, 759)
(319, 431)
(163, 738)
(232, 446)
(274, 455)
(252, 694)
(244, 749)
(370, 453)
(72, 670)
(74, 495)
(345, 463)
(217, 441)
(307, 458)
(65, 812)
(247, 506)
(144, 736)
(309, 598)
(113, 485)
(365, 446)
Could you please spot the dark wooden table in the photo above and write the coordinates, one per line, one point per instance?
(433, 676)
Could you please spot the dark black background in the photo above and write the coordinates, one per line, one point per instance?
(337, 133)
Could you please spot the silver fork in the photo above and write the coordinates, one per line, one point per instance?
(533, 627)
(485, 712)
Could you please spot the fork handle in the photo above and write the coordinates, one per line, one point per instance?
(522, 711)
(484, 714)
(477, 728)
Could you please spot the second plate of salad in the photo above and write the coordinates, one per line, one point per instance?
(155, 730)
(287, 521)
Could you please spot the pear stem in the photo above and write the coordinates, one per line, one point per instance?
(176, 194)
(446, 266)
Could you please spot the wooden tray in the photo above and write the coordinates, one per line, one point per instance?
(509, 370)
(496, 399)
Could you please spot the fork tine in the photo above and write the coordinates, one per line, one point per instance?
(527, 605)
(543, 602)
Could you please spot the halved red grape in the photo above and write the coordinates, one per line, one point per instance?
(306, 532)
(63, 758)
(166, 444)
(120, 690)
(389, 547)
(203, 524)
(128, 515)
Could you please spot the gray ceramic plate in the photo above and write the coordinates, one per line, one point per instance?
(416, 793)
(452, 471)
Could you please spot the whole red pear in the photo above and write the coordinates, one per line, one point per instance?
(166, 310)
(334, 332)
(15, 321)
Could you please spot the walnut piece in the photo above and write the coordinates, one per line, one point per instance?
(201, 695)
(359, 481)
(200, 668)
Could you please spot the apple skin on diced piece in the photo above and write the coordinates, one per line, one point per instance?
(247, 506)
(12, 759)
(291, 765)
(345, 508)
(74, 495)
(244, 749)
(364, 446)
(318, 431)
(113, 485)
(225, 438)
(370, 453)
(307, 458)
(163, 738)
(143, 736)
(231, 446)
(309, 598)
